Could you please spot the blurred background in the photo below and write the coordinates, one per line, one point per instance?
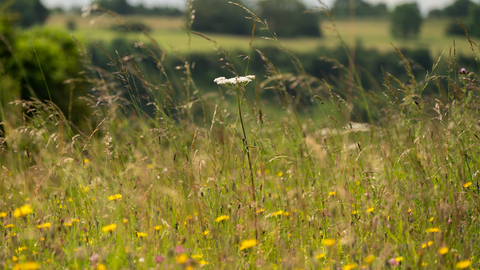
(38, 33)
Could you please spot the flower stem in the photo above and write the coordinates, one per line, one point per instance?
(252, 179)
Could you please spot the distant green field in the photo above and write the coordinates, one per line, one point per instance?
(371, 33)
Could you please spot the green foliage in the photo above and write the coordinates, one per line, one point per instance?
(406, 21)
(41, 61)
(473, 21)
(459, 8)
(219, 16)
(121, 7)
(288, 18)
(362, 9)
(27, 12)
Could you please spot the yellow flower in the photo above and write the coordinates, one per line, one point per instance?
(466, 185)
(424, 245)
(354, 212)
(328, 242)
(432, 230)
(409, 210)
(86, 161)
(15, 259)
(68, 224)
(197, 256)
(23, 211)
(260, 210)
(202, 262)
(369, 210)
(399, 259)
(222, 217)
(320, 256)
(280, 174)
(125, 220)
(369, 259)
(181, 259)
(149, 166)
(331, 193)
(431, 219)
(75, 220)
(20, 249)
(115, 197)
(157, 228)
(27, 266)
(44, 225)
(430, 243)
(205, 232)
(101, 267)
(350, 266)
(109, 228)
(443, 250)
(424, 264)
(278, 213)
(3, 214)
(248, 244)
(9, 226)
(141, 234)
(463, 264)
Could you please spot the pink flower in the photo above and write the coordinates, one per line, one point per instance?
(392, 261)
(179, 249)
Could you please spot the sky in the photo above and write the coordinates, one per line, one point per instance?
(425, 5)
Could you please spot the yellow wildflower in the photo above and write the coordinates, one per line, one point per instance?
(3, 214)
(15, 259)
(463, 264)
(424, 245)
(222, 217)
(202, 262)
(205, 232)
(280, 174)
(320, 256)
(431, 219)
(9, 226)
(350, 266)
(248, 244)
(115, 197)
(23, 211)
(331, 193)
(181, 259)
(68, 224)
(125, 220)
(369, 259)
(26, 266)
(44, 225)
(157, 228)
(399, 259)
(466, 185)
(197, 256)
(369, 210)
(260, 210)
(328, 242)
(278, 213)
(443, 250)
(109, 228)
(141, 234)
(101, 267)
(430, 243)
(432, 230)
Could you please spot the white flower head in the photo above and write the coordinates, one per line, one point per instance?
(235, 80)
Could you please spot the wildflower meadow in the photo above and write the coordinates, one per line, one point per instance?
(231, 180)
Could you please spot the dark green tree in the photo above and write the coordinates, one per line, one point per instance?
(406, 21)
(219, 16)
(458, 9)
(27, 12)
(288, 18)
(473, 21)
(118, 6)
(362, 9)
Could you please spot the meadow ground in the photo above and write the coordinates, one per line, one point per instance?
(371, 33)
(243, 190)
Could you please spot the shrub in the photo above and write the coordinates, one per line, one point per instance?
(406, 21)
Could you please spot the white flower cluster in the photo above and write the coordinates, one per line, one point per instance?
(235, 80)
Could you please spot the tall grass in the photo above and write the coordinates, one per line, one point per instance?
(167, 191)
